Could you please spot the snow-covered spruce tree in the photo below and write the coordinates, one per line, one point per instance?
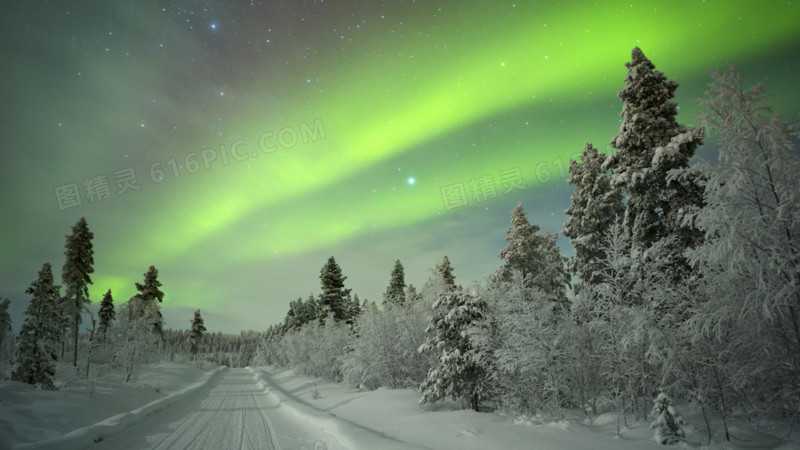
(149, 292)
(668, 425)
(440, 283)
(395, 292)
(77, 267)
(535, 255)
(355, 308)
(332, 299)
(196, 333)
(352, 308)
(312, 309)
(5, 332)
(34, 361)
(107, 314)
(301, 312)
(595, 207)
(443, 275)
(295, 316)
(650, 144)
(750, 257)
(457, 373)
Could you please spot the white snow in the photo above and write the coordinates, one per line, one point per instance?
(266, 407)
(71, 417)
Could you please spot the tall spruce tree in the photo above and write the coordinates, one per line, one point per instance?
(395, 292)
(149, 292)
(39, 335)
(650, 144)
(595, 207)
(334, 294)
(107, 314)
(535, 255)
(77, 267)
(196, 333)
(445, 272)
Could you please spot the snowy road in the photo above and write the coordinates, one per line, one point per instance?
(233, 416)
(239, 410)
(231, 413)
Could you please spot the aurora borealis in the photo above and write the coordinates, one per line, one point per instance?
(319, 114)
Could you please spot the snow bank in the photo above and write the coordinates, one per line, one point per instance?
(58, 419)
(348, 434)
(392, 418)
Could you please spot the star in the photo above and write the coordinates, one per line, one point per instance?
(411, 180)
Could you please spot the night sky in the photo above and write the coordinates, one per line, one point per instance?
(237, 145)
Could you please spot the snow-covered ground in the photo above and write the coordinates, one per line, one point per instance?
(79, 409)
(396, 414)
(175, 405)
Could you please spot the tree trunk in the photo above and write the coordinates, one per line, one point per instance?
(77, 323)
(88, 361)
(75, 343)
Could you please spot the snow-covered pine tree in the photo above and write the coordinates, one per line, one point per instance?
(667, 423)
(354, 309)
(6, 339)
(34, 362)
(457, 373)
(535, 255)
(395, 294)
(311, 309)
(334, 293)
(77, 267)
(149, 292)
(294, 317)
(441, 282)
(651, 143)
(444, 272)
(196, 333)
(595, 207)
(106, 315)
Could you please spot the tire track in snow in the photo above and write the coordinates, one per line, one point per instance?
(189, 424)
(229, 418)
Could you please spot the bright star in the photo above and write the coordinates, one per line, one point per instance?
(411, 180)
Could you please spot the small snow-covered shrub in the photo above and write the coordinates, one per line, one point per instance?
(313, 349)
(667, 423)
(522, 343)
